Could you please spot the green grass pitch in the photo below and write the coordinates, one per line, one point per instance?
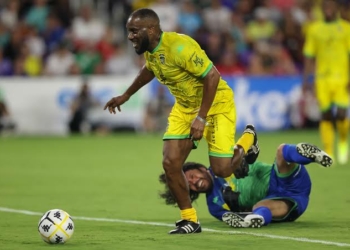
(115, 177)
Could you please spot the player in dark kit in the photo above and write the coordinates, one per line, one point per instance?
(274, 192)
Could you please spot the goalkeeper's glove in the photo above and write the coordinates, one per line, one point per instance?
(231, 198)
(243, 170)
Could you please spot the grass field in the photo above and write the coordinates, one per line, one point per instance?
(114, 179)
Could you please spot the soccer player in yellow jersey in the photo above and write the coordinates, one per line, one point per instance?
(204, 106)
(327, 48)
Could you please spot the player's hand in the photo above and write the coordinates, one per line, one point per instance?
(116, 102)
(197, 129)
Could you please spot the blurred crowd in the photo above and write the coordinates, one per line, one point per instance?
(68, 37)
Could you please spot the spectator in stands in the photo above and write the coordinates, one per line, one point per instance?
(189, 20)
(10, 14)
(274, 13)
(293, 39)
(229, 65)
(86, 28)
(37, 15)
(168, 14)
(214, 46)
(237, 32)
(87, 59)
(105, 45)
(245, 10)
(120, 63)
(261, 61)
(34, 42)
(54, 32)
(261, 28)
(4, 35)
(247, 22)
(217, 18)
(18, 67)
(13, 47)
(62, 9)
(284, 64)
(61, 61)
(32, 64)
(5, 65)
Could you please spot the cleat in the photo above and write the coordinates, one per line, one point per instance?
(240, 220)
(234, 220)
(315, 154)
(186, 227)
(254, 150)
(254, 220)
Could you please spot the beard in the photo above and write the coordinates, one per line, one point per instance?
(143, 46)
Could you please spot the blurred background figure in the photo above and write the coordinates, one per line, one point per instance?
(157, 112)
(189, 21)
(81, 105)
(326, 52)
(7, 125)
(168, 13)
(61, 61)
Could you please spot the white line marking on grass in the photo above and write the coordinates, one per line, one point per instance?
(271, 236)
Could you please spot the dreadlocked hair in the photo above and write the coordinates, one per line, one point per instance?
(167, 195)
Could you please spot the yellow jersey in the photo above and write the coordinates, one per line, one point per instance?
(329, 44)
(179, 63)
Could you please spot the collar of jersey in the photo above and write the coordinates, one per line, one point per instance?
(160, 41)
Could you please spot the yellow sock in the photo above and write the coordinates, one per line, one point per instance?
(246, 141)
(343, 130)
(327, 136)
(189, 214)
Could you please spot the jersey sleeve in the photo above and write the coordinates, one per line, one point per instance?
(193, 59)
(216, 210)
(309, 49)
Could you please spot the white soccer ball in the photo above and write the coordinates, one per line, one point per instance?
(56, 226)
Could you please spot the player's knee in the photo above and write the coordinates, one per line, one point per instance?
(169, 165)
(279, 152)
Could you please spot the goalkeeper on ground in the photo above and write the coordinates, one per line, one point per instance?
(259, 193)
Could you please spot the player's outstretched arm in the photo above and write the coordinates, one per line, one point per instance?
(143, 77)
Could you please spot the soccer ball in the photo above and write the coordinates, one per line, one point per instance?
(56, 227)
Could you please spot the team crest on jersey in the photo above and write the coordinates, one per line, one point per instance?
(162, 58)
(198, 61)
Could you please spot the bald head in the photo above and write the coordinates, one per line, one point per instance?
(144, 30)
